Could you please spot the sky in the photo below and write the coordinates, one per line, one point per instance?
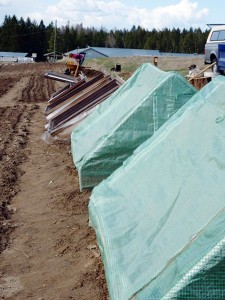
(118, 14)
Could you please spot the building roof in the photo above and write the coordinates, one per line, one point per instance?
(13, 54)
(115, 52)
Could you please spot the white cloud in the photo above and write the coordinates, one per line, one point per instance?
(5, 2)
(183, 14)
(114, 14)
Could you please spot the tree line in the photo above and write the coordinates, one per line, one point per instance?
(19, 35)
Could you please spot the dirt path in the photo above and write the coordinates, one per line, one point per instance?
(48, 251)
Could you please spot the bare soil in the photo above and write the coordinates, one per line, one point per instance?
(47, 249)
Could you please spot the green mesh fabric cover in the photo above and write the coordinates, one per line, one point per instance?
(160, 217)
(125, 120)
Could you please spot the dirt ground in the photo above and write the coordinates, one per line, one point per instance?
(47, 249)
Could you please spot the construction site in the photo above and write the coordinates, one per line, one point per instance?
(112, 180)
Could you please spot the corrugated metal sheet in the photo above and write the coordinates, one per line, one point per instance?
(71, 104)
(87, 102)
(60, 77)
(73, 92)
(60, 91)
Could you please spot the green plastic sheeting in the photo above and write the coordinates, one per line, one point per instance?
(125, 120)
(160, 218)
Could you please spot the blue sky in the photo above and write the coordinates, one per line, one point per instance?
(119, 14)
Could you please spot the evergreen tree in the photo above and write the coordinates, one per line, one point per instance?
(140, 37)
(10, 34)
(111, 40)
(151, 38)
(28, 36)
(119, 39)
(54, 42)
(100, 38)
(175, 40)
(89, 37)
(42, 43)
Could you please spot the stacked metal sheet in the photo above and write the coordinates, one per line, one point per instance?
(60, 77)
(71, 104)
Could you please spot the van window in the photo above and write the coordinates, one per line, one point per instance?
(214, 36)
(221, 36)
(218, 35)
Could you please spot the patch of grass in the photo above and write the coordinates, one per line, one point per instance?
(131, 64)
(128, 64)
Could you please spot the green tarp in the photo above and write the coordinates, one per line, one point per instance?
(160, 218)
(125, 120)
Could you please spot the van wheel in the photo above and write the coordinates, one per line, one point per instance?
(214, 67)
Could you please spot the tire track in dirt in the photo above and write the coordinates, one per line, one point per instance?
(38, 89)
(7, 83)
(12, 92)
(14, 122)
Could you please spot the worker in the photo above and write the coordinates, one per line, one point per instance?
(78, 56)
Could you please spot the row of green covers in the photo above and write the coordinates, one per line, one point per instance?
(160, 218)
(126, 119)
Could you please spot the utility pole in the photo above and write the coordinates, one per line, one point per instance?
(55, 39)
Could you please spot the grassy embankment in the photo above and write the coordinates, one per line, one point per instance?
(129, 65)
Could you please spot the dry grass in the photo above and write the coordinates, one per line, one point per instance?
(130, 64)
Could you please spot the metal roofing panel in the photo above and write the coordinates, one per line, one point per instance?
(69, 125)
(82, 105)
(76, 93)
(82, 95)
(13, 54)
(115, 52)
(60, 77)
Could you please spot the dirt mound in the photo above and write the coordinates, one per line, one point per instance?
(90, 73)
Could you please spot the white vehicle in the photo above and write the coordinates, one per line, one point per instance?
(216, 37)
